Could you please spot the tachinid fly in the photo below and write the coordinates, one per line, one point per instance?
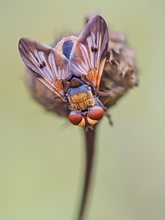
(72, 69)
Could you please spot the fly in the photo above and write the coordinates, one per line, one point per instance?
(72, 69)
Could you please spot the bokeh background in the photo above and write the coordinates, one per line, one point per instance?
(42, 155)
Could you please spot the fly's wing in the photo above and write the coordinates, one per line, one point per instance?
(44, 96)
(89, 53)
(50, 66)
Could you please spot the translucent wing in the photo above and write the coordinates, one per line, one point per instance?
(50, 66)
(45, 96)
(88, 55)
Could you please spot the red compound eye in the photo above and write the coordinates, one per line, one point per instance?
(75, 118)
(96, 113)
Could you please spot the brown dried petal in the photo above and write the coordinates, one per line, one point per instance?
(120, 71)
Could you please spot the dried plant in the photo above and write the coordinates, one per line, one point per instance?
(119, 75)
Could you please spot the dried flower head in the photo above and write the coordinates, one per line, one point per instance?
(117, 63)
(119, 75)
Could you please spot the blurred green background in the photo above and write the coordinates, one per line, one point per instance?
(42, 156)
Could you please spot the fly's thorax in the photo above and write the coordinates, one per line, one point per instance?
(80, 98)
(81, 101)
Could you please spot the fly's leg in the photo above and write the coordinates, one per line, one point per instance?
(109, 118)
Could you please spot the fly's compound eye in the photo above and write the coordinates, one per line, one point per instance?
(96, 113)
(76, 119)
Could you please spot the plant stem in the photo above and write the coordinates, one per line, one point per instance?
(90, 136)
